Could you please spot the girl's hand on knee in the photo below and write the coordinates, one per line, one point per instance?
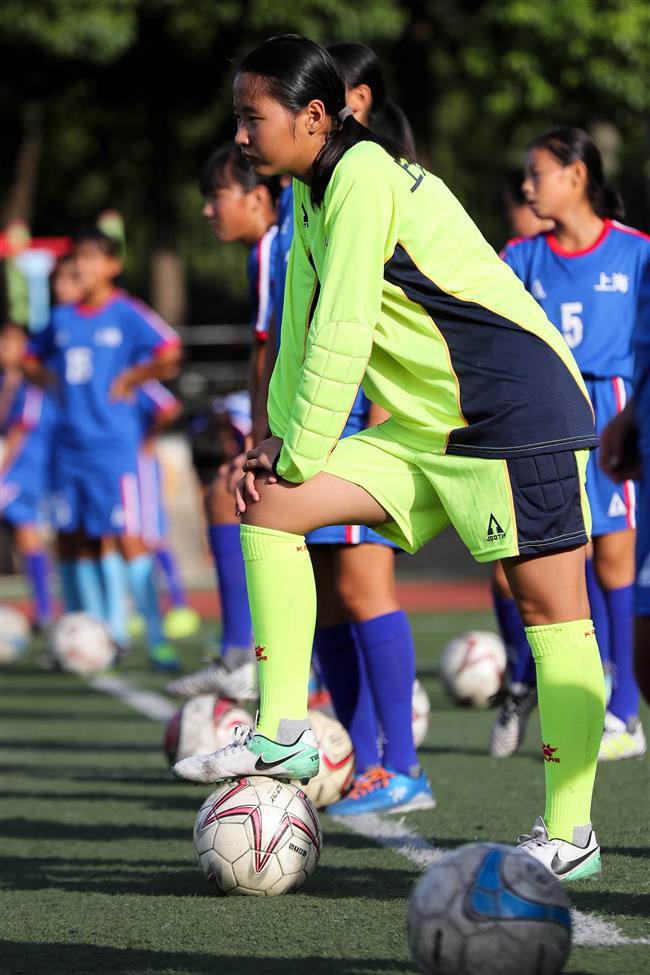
(246, 492)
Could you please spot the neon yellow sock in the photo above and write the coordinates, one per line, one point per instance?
(571, 693)
(282, 597)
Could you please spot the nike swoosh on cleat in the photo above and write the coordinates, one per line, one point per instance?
(560, 867)
(263, 766)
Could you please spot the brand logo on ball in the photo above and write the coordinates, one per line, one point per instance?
(549, 754)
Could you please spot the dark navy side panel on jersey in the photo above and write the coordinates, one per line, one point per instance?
(515, 392)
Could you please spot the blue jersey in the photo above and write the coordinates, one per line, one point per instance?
(152, 400)
(592, 296)
(260, 267)
(642, 370)
(87, 348)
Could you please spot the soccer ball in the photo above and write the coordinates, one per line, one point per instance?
(336, 760)
(472, 667)
(421, 706)
(82, 644)
(257, 836)
(202, 725)
(14, 634)
(489, 909)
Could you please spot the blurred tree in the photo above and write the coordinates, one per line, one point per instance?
(122, 100)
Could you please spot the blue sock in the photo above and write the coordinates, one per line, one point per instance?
(140, 572)
(69, 586)
(228, 561)
(344, 673)
(116, 593)
(389, 654)
(167, 563)
(521, 665)
(624, 702)
(37, 567)
(599, 612)
(89, 581)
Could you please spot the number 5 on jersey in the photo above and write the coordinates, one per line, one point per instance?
(572, 327)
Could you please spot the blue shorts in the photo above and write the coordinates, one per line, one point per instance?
(24, 491)
(642, 587)
(154, 522)
(347, 535)
(613, 506)
(98, 495)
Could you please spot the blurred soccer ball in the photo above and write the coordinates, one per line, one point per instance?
(336, 760)
(14, 634)
(420, 708)
(472, 667)
(202, 725)
(489, 909)
(257, 836)
(82, 644)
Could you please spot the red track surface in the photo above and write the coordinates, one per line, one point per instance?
(416, 597)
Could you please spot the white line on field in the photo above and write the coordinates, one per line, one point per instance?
(149, 703)
(588, 929)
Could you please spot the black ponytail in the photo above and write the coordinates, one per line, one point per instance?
(360, 65)
(295, 71)
(570, 145)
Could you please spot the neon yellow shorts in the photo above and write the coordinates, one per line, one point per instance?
(500, 508)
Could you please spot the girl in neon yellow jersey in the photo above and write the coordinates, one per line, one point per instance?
(391, 284)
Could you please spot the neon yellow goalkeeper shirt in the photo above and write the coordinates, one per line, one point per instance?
(390, 283)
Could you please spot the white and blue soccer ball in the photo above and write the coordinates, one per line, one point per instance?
(488, 909)
(82, 644)
(14, 634)
(472, 667)
(257, 836)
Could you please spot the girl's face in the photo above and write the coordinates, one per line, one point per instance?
(359, 99)
(273, 140)
(549, 186)
(13, 345)
(232, 213)
(96, 270)
(65, 284)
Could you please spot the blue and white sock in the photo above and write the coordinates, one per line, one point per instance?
(344, 673)
(521, 666)
(116, 592)
(91, 593)
(225, 547)
(140, 573)
(624, 702)
(386, 643)
(37, 567)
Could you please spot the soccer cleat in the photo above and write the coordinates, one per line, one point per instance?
(621, 740)
(249, 753)
(225, 677)
(163, 657)
(566, 861)
(181, 622)
(382, 790)
(510, 726)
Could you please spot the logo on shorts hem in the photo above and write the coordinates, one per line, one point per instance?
(494, 530)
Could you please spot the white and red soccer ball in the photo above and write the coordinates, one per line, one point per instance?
(472, 667)
(202, 725)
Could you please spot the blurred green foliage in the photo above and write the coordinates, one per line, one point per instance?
(136, 95)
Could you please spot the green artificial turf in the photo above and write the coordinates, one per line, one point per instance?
(98, 874)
